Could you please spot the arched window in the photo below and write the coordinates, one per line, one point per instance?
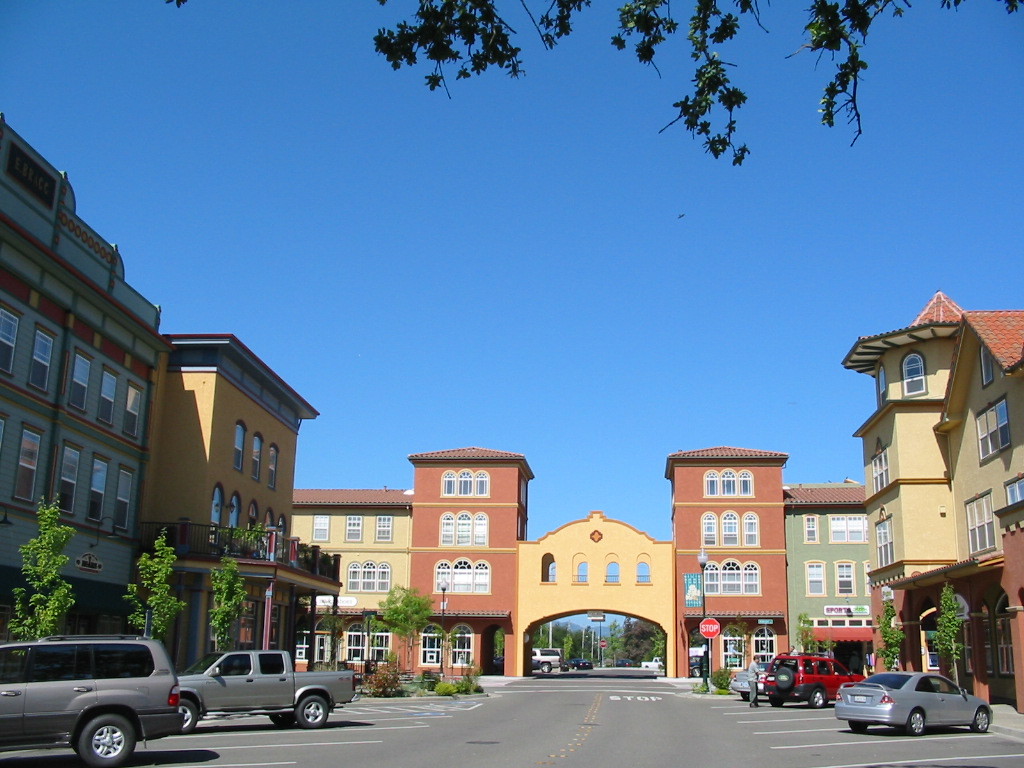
(730, 529)
(1004, 639)
(257, 455)
(355, 571)
(712, 582)
(430, 646)
(462, 576)
(235, 511)
(728, 483)
(731, 582)
(465, 483)
(355, 642)
(482, 578)
(282, 526)
(442, 576)
(643, 573)
(732, 648)
(611, 573)
(580, 577)
(709, 530)
(268, 518)
(764, 645)
(462, 646)
(480, 530)
(383, 577)
(711, 484)
(369, 576)
(751, 530)
(463, 529)
(483, 484)
(882, 384)
(547, 569)
(447, 530)
(913, 374)
(751, 579)
(216, 505)
(239, 445)
(448, 484)
(272, 467)
(746, 483)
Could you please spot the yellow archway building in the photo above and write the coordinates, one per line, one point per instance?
(593, 564)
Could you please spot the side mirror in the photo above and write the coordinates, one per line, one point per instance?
(963, 692)
(215, 671)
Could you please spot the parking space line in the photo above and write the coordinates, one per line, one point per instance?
(799, 730)
(917, 761)
(861, 742)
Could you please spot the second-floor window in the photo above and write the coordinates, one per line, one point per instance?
(815, 573)
(709, 530)
(848, 528)
(385, 527)
(1015, 491)
(123, 502)
(811, 529)
(132, 409)
(69, 479)
(321, 527)
(884, 544)
(108, 391)
(42, 351)
(8, 339)
(980, 525)
(844, 579)
(257, 455)
(272, 467)
(79, 390)
(28, 462)
(880, 470)
(239, 456)
(993, 429)
(353, 528)
(97, 489)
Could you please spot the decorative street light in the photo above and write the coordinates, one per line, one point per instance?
(444, 604)
(702, 561)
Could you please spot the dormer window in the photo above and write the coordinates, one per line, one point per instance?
(913, 375)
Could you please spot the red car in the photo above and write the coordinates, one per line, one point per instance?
(802, 677)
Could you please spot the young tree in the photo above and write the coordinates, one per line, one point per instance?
(406, 612)
(947, 635)
(40, 610)
(155, 571)
(568, 647)
(892, 636)
(228, 596)
(805, 634)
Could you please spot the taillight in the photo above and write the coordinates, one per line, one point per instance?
(886, 699)
(174, 697)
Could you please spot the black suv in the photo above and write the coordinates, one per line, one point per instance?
(98, 694)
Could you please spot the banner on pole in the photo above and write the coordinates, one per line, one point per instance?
(691, 587)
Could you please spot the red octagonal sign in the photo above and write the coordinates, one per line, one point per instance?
(710, 628)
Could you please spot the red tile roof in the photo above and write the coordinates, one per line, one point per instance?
(939, 309)
(1002, 331)
(824, 494)
(466, 453)
(725, 452)
(352, 496)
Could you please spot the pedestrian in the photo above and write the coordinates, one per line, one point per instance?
(752, 672)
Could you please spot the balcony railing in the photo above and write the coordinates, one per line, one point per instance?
(191, 539)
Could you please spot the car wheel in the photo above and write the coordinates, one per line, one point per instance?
(311, 712)
(816, 699)
(775, 701)
(915, 723)
(545, 667)
(745, 696)
(784, 678)
(858, 727)
(283, 719)
(981, 720)
(190, 710)
(106, 741)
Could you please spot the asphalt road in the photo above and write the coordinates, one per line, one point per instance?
(610, 720)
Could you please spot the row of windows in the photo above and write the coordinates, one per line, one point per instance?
(255, 456)
(71, 468)
(462, 576)
(459, 646)
(844, 574)
(728, 483)
(465, 483)
(732, 578)
(464, 529)
(730, 530)
(82, 382)
(383, 530)
(234, 513)
(843, 529)
(369, 577)
(581, 573)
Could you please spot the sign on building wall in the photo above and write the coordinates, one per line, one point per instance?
(691, 589)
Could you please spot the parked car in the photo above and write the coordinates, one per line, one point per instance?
(581, 664)
(262, 682)
(912, 701)
(624, 663)
(804, 677)
(741, 682)
(546, 659)
(97, 694)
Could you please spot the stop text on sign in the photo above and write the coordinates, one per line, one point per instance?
(710, 628)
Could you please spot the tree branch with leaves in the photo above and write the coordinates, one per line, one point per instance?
(40, 610)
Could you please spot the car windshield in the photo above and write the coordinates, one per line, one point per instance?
(888, 680)
(200, 666)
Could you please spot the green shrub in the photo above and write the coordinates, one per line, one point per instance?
(721, 678)
(700, 688)
(446, 689)
(384, 683)
(468, 683)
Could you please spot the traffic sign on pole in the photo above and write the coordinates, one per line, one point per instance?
(710, 628)
(604, 643)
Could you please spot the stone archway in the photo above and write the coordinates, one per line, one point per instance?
(594, 564)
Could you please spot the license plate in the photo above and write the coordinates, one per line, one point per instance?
(860, 699)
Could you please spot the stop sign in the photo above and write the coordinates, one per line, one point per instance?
(710, 628)
(604, 643)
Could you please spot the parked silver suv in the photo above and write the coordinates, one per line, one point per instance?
(98, 694)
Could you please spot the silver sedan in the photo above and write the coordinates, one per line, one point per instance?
(913, 701)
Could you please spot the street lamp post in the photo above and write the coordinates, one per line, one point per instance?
(444, 604)
(702, 561)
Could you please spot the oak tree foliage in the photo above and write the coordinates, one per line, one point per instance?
(468, 37)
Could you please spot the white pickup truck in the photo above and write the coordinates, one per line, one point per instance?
(262, 683)
(655, 663)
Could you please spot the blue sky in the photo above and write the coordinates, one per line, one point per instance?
(508, 268)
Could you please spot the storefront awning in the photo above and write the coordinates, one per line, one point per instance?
(839, 634)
